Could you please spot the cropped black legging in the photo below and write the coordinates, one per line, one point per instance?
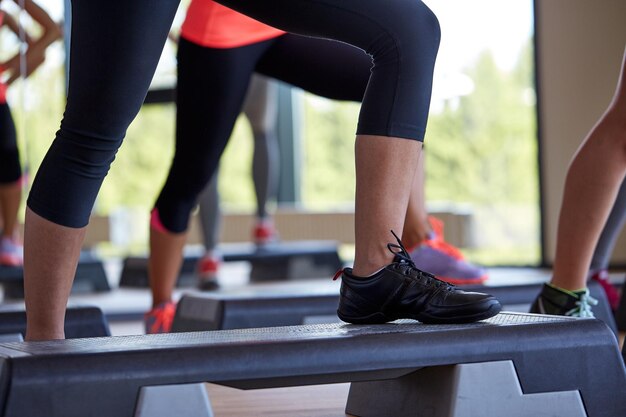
(116, 45)
(212, 84)
(10, 169)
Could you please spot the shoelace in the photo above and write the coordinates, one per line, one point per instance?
(583, 306)
(407, 267)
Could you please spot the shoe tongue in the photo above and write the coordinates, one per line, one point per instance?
(400, 260)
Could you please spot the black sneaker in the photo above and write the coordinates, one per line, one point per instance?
(558, 302)
(400, 290)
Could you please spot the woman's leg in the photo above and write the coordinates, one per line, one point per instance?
(591, 186)
(212, 84)
(402, 38)
(11, 250)
(385, 30)
(381, 200)
(306, 63)
(290, 59)
(10, 172)
(346, 80)
(115, 48)
(416, 226)
(210, 221)
(10, 199)
(210, 216)
(203, 129)
(261, 109)
(593, 180)
(10, 189)
(210, 213)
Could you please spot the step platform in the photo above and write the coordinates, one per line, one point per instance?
(511, 363)
(308, 304)
(80, 321)
(293, 260)
(90, 277)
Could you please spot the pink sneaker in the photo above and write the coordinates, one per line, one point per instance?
(436, 239)
(445, 261)
(11, 252)
(160, 318)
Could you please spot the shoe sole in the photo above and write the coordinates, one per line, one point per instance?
(380, 318)
(493, 310)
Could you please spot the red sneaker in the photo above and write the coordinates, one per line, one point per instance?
(264, 232)
(207, 270)
(160, 318)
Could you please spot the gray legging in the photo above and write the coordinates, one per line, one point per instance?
(260, 108)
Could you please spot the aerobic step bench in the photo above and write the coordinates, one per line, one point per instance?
(310, 304)
(514, 365)
(90, 277)
(279, 261)
(80, 321)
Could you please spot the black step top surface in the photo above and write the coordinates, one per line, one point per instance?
(305, 333)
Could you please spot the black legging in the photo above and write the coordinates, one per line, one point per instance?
(212, 84)
(116, 45)
(10, 169)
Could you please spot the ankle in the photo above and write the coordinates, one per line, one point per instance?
(34, 333)
(212, 254)
(568, 285)
(413, 236)
(369, 267)
(161, 302)
(365, 273)
(568, 289)
(413, 239)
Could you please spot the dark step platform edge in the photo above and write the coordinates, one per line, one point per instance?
(75, 376)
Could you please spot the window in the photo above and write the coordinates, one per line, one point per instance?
(481, 144)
